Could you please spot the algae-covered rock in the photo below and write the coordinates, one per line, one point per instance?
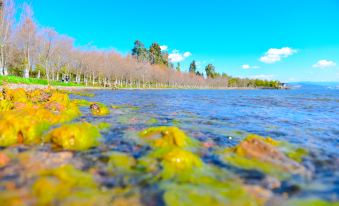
(26, 116)
(307, 202)
(192, 194)
(181, 159)
(76, 136)
(6, 105)
(167, 136)
(64, 184)
(121, 162)
(263, 154)
(99, 109)
(16, 128)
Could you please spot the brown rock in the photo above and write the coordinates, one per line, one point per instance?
(256, 148)
(4, 159)
(260, 194)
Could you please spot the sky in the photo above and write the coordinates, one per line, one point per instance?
(287, 40)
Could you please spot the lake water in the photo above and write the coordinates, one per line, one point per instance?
(307, 118)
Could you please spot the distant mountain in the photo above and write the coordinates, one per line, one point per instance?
(313, 85)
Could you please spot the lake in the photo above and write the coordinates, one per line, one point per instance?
(307, 118)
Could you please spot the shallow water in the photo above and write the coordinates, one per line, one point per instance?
(307, 118)
(132, 168)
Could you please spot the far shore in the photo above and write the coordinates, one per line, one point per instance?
(37, 86)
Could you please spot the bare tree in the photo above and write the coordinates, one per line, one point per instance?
(7, 11)
(26, 37)
(47, 43)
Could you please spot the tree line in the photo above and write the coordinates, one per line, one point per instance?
(32, 51)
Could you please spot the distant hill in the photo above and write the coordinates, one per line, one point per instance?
(313, 85)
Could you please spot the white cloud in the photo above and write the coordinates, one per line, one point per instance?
(187, 54)
(274, 55)
(324, 64)
(247, 66)
(262, 76)
(164, 47)
(176, 56)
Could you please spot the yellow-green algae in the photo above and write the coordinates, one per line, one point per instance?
(218, 195)
(152, 121)
(125, 106)
(82, 102)
(121, 162)
(167, 136)
(103, 126)
(308, 202)
(184, 177)
(76, 136)
(100, 109)
(26, 115)
(185, 173)
(67, 185)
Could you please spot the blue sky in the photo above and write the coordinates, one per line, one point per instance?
(289, 40)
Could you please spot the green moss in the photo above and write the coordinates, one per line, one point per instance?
(77, 136)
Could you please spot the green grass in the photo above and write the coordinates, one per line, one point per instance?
(21, 80)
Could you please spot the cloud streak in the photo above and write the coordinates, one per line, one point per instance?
(247, 66)
(176, 56)
(274, 55)
(322, 64)
(164, 47)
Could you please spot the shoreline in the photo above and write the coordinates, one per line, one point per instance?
(38, 86)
